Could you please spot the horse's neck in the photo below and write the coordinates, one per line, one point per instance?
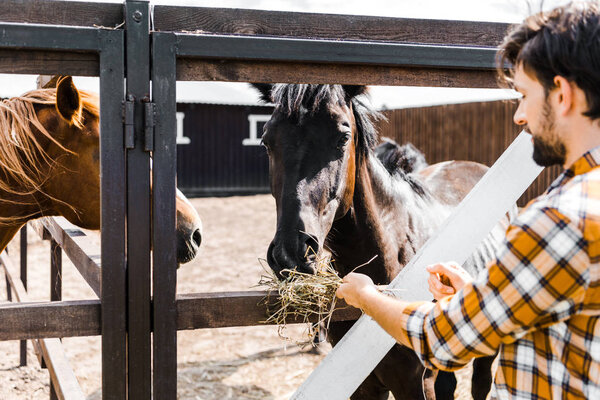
(7, 232)
(388, 220)
(15, 211)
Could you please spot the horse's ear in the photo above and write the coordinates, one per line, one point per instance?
(68, 101)
(265, 91)
(354, 90)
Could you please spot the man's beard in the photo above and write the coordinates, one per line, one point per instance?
(548, 150)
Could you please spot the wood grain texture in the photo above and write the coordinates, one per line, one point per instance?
(48, 62)
(227, 309)
(189, 69)
(49, 319)
(61, 12)
(311, 25)
(194, 311)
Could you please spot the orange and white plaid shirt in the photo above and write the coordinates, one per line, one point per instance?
(538, 303)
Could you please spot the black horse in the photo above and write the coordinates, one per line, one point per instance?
(333, 193)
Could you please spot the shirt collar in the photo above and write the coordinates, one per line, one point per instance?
(584, 164)
(587, 162)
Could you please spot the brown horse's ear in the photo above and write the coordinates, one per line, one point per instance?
(68, 101)
(354, 90)
(265, 91)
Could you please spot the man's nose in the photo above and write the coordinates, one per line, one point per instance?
(519, 117)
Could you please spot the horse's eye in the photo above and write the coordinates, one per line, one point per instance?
(343, 140)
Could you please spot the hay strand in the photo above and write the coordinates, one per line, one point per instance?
(303, 297)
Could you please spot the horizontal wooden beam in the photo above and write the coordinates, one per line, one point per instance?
(49, 319)
(48, 62)
(189, 69)
(311, 25)
(72, 13)
(226, 309)
(194, 311)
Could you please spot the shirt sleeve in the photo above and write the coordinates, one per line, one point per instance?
(539, 277)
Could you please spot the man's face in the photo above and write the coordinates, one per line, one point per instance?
(535, 112)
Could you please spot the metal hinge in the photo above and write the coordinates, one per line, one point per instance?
(128, 110)
(149, 122)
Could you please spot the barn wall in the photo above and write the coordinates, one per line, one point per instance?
(472, 131)
(216, 162)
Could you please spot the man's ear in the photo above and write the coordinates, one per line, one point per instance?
(68, 101)
(565, 95)
(265, 91)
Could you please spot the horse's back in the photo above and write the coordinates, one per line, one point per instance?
(450, 181)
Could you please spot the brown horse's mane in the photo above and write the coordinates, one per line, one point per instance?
(292, 99)
(22, 157)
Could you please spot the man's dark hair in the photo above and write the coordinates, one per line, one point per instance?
(565, 42)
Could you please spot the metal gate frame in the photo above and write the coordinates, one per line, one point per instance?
(108, 45)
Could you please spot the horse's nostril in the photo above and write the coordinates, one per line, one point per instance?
(197, 237)
(309, 249)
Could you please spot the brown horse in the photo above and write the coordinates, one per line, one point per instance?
(50, 164)
(333, 193)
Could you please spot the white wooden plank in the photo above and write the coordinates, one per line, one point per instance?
(361, 349)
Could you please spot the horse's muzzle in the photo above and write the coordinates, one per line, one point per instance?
(280, 259)
(188, 244)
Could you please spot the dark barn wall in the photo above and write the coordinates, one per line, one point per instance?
(226, 166)
(471, 131)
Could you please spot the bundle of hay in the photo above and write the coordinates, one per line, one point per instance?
(303, 297)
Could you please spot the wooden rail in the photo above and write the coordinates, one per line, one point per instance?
(32, 320)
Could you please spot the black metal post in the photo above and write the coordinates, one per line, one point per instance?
(163, 217)
(113, 205)
(139, 349)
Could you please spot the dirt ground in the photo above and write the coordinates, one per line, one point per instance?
(213, 364)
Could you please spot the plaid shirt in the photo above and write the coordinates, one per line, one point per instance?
(538, 303)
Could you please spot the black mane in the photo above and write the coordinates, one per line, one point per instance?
(292, 99)
(395, 157)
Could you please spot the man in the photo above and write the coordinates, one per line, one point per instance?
(538, 303)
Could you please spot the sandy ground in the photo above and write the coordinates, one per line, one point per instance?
(213, 364)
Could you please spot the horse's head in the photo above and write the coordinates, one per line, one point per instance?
(66, 155)
(315, 140)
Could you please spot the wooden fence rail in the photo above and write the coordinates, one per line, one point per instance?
(34, 320)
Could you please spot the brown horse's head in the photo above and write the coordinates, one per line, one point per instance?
(52, 163)
(315, 139)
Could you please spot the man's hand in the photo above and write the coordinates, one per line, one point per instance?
(446, 279)
(355, 288)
